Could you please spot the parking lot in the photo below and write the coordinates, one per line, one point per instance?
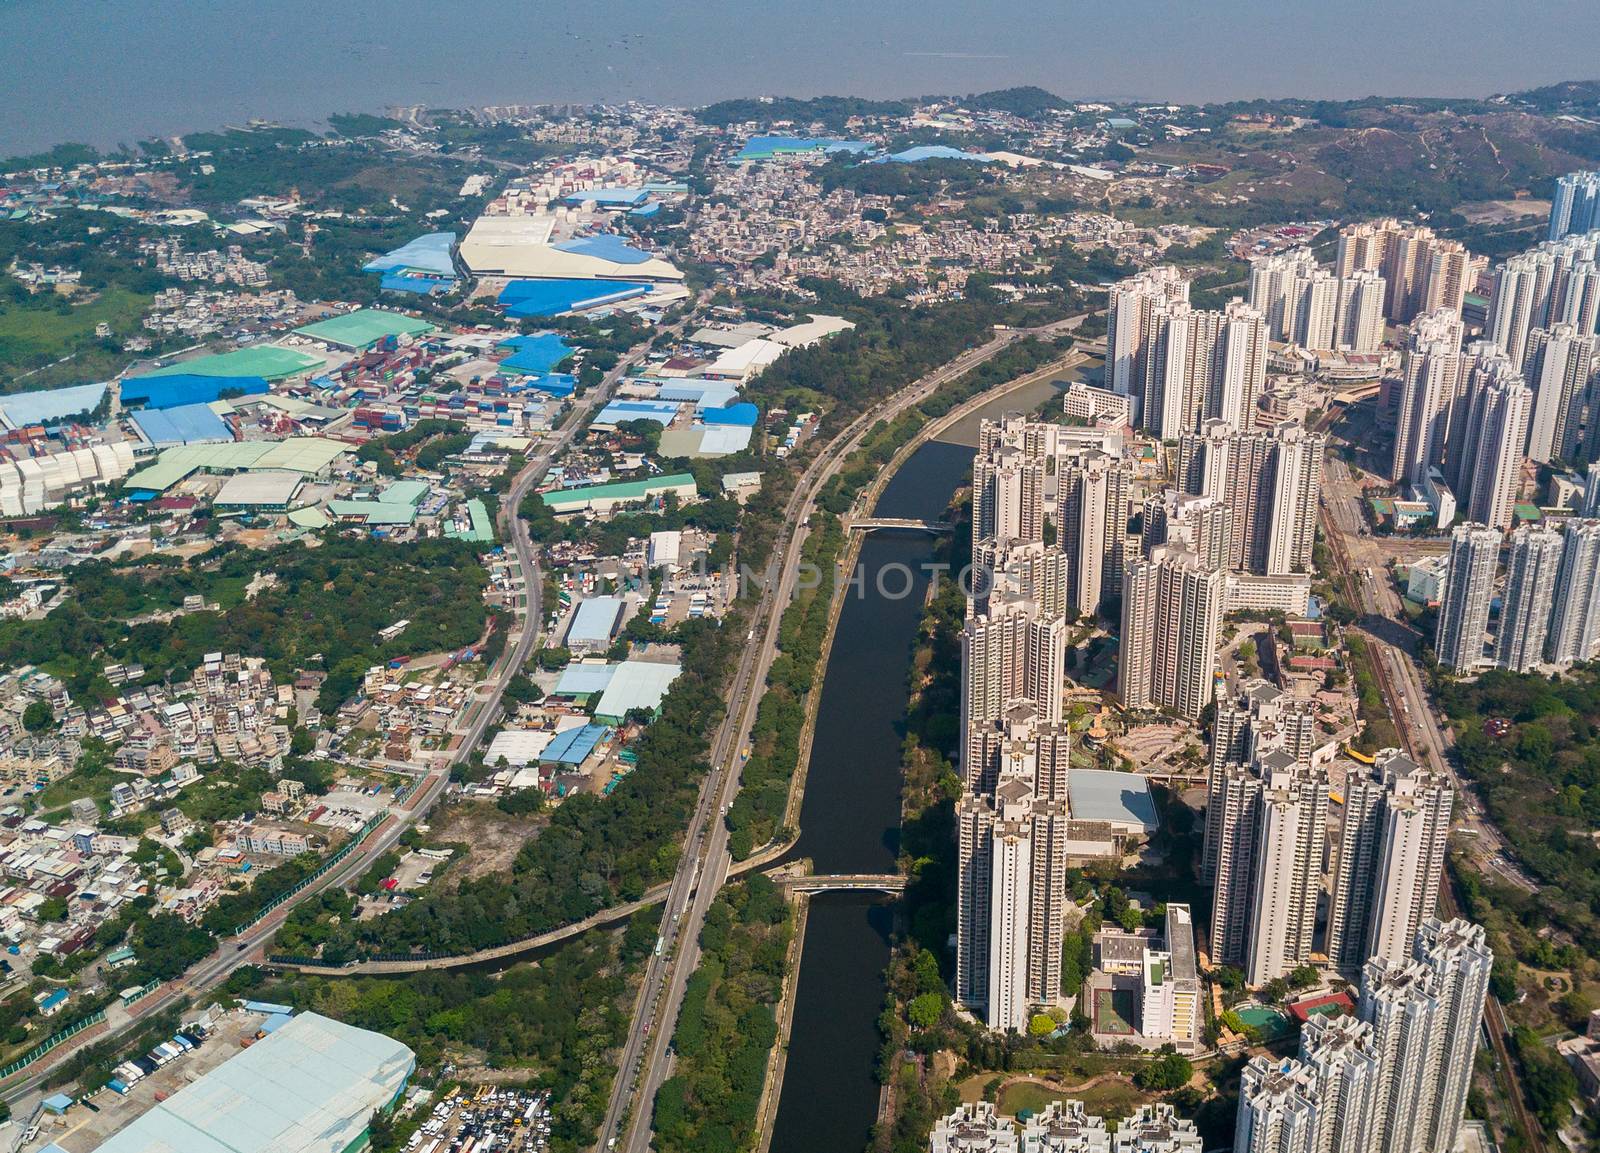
(83, 1127)
(486, 1120)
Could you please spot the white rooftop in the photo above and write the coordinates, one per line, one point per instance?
(310, 1087)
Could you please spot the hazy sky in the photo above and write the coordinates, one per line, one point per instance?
(105, 71)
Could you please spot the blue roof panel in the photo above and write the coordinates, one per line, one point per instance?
(605, 247)
(537, 354)
(417, 285)
(183, 424)
(620, 410)
(573, 746)
(744, 413)
(937, 152)
(429, 253)
(187, 388)
(47, 406)
(525, 298)
(622, 197)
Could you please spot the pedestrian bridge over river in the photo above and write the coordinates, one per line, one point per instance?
(868, 524)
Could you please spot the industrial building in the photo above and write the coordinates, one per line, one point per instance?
(49, 405)
(359, 330)
(269, 490)
(604, 499)
(635, 685)
(308, 455)
(395, 505)
(266, 361)
(595, 624)
(419, 266)
(519, 247)
(181, 424)
(525, 298)
(311, 1086)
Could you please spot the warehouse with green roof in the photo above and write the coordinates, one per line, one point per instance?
(603, 499)
(395, 505)
(360, 330)
(267, 361)
(308, 455)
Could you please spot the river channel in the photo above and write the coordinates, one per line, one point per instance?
(850, 820)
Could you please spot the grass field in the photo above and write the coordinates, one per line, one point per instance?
(40, 332)
(1113, 1097)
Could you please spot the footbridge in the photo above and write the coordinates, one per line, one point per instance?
(869, 523)
(796, 882)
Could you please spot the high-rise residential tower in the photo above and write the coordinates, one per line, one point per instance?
(1271, 837)
(1172, 607)
(1494, 440)
(1425, 1013)
(1532, 568)
(1132, 325)
(1392, 1080)
(1391, 859)
(1575, 619)
(1271, 482)
(1424, 272)
(1280, 1107)
(1559, 368)
(1468, 590)
(1575, 204)
(1432, 369)
(1260, 719)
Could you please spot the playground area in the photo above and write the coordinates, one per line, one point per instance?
(1270, 1023)
(1114, 1012)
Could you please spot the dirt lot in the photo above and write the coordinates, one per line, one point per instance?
(495, 837)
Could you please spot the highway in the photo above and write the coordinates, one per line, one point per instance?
(479, 714)
(1426, 740)
(645, 1061)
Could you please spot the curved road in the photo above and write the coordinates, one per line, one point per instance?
(248, 946)
(645, 1061)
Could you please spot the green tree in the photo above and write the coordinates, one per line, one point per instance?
(925, 1010)
(1168, 1071)
(38, 716)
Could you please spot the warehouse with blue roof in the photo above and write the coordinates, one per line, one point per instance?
(181, 389)
(536, 354)
(531, 298)
(49, 405)
(621, 411)
(420, 266)
(744, 413)
(573, 746)
(181, 424)
(935, 152)
(609, 197)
